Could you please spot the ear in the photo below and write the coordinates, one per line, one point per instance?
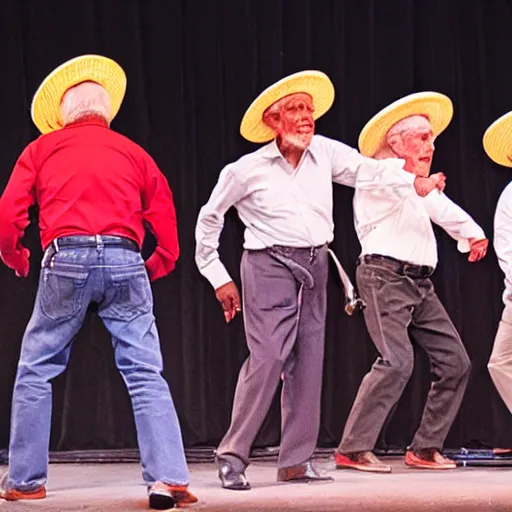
(271, 119)
(395, 142)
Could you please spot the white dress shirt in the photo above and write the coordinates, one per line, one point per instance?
(397, 222)
(280, 205)
(503, 239)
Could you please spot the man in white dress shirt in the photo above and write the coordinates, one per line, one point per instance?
(283, 195)
(498, 146)
(398, 256)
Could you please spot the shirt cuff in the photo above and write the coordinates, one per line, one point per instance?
(397, 164)
(159, 266)
(17, 261)
(463, 243)
(216, 274)
(407, 176)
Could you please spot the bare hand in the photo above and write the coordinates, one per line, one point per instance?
(424, 186)
(440, 180)
(477, 249)
(228, 296)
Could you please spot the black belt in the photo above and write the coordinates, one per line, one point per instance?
(95, 241)
(400, 267)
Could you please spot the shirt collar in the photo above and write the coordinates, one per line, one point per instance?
(271, 150)
(88, 121)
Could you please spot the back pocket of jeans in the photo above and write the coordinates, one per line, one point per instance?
(128, 297)
(61, 294)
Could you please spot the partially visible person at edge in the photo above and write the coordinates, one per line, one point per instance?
(398, 256)
(497, 143)
(283, 195)
(96, 190)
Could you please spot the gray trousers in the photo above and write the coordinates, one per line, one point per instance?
(398, 307)
(284, 305)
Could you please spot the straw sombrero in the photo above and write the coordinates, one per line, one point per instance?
(314, 83)
(437, 108)
(498, 140)
(45, 107)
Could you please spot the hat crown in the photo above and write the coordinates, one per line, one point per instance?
(45, 108)
(436, 107)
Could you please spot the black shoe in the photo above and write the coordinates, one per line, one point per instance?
(232, 479)
(301, 473)
(160, 497)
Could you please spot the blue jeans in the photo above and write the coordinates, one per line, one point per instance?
(114, 278)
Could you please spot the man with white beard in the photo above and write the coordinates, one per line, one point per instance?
(283, 195)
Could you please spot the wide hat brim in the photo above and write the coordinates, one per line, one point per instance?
(497, 140)
(315, 83)
(436, 107)
(45, 109)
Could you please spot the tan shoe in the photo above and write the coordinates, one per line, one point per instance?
(14, 495)
(429, 458)
(362, 461)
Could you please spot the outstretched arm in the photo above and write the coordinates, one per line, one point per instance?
(458, 224)
(385, 177)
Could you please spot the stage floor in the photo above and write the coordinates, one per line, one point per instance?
(105, 487)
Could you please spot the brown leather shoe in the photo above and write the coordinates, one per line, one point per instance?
(301, 473)
(14, 495)
(428, 458)
(362, 461)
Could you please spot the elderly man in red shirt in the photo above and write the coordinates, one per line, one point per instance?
(96, 190)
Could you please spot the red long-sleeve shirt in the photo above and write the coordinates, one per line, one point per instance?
(88, 180)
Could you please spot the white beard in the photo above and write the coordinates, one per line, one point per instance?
(297, 141)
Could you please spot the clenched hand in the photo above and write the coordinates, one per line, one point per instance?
(477, 249)
(424, 186)
(228, 296)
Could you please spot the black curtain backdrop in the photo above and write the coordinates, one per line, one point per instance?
(193, 67)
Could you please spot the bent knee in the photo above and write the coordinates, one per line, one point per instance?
(401, 369)
(459, 367)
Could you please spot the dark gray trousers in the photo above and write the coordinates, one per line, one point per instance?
(284, 304)
(398, 307)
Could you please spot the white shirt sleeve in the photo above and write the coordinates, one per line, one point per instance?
(226, 193)
(453, 219)
(503, 234)
(352, 169)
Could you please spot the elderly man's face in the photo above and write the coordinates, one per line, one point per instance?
(291, 118)
(413, 140)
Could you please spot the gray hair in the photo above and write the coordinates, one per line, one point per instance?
(87, 98)
(407, 123)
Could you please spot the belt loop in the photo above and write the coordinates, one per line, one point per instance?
(99, 241)
(312, 254)
(56, 245)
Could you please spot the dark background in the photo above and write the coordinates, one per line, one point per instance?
(193, 67)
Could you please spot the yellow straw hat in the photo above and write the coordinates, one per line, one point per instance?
(436, 107)
(45, 108)
(315, 83)
(498, 140)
